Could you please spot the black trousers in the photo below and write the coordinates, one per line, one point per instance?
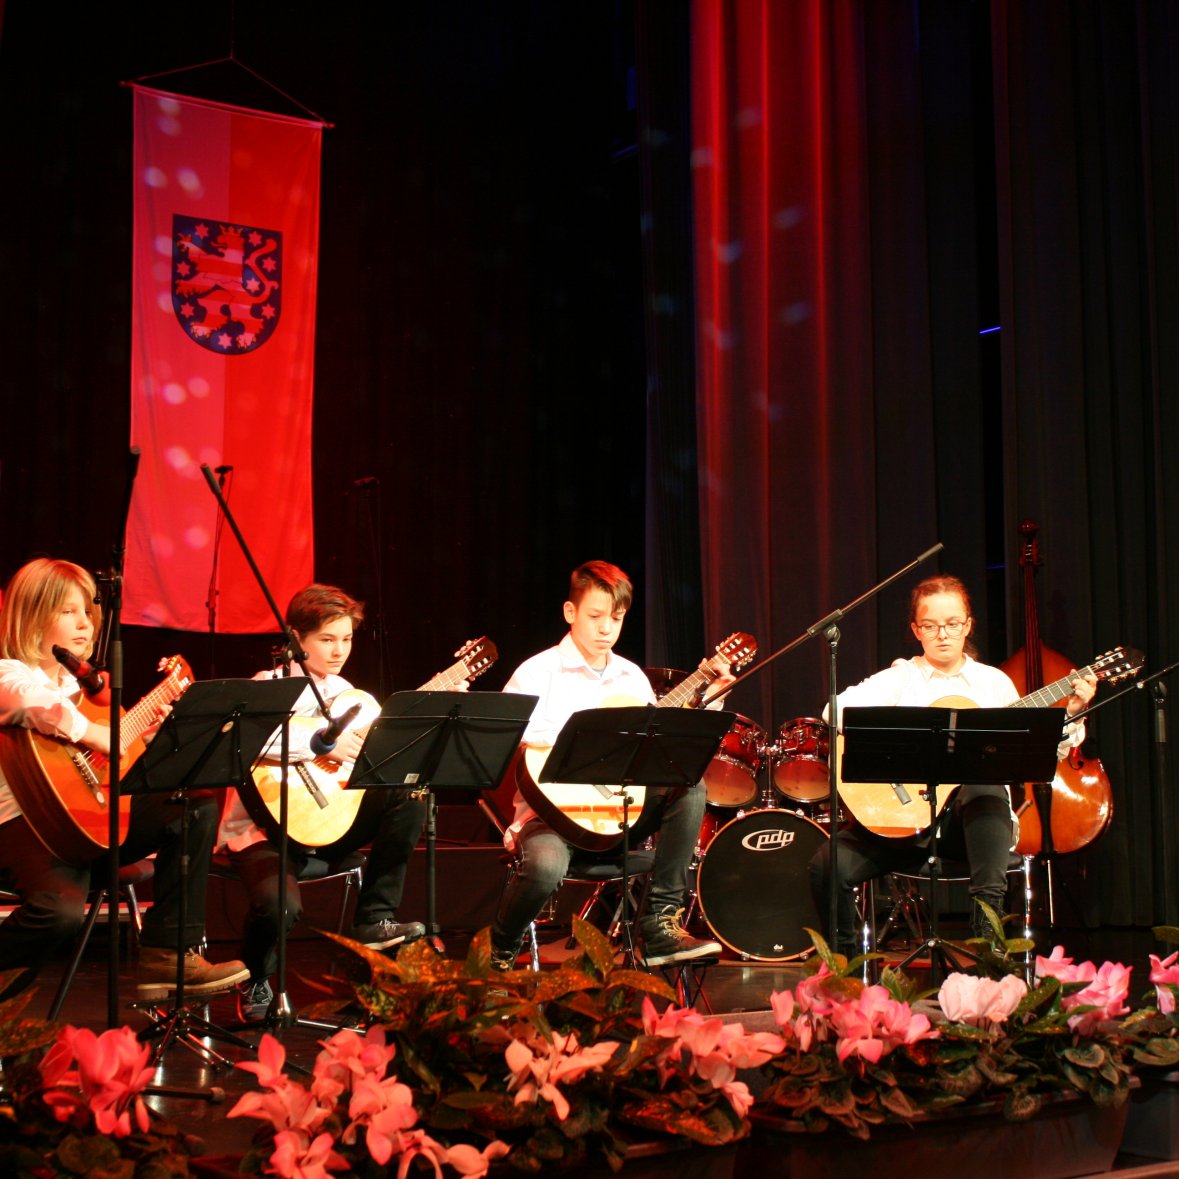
(391, 820)
(976, 827)
(53, 893)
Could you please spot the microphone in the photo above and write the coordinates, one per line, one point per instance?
(223, 470)
(89, 677)
(365, 481)
(325, 740)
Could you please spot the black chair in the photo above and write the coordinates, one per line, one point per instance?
(605, 875)
(314, 871)
(130, 875)
(910, 905)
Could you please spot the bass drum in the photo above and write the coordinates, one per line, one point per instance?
(753, 884)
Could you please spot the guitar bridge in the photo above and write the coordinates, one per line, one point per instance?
(312, 786)
(89, 777)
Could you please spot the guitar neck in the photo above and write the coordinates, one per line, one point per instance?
(1052, 693)
(138, 719)
(682, 694)
(444, 681)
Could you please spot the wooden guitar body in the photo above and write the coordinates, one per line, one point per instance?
(61, 788)
(319, 809)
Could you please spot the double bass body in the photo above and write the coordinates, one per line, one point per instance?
(1079, 803)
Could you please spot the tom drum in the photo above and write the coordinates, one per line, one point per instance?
(753, 884)
(800, 760)
(731, 776)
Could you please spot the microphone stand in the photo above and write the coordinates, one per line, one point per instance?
(111, 644)
(829, 629)
(280, 1012)
(1163, 870)
(214, 591)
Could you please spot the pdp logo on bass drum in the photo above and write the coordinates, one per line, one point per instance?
(768, 839)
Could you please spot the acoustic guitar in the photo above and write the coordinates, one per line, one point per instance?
(879, 808)
(61, 788)
(319, 808)
(590, 817)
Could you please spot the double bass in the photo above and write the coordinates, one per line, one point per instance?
(1079, 801)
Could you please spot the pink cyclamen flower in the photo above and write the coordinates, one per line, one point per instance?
(1106, 993)
(538, 1066)
(111, 1073)
(1164, 973)
(1056, 965)
(472, 1163)
(268, 1068)
(873, 1024)
(296, 1156)
(385, 1109)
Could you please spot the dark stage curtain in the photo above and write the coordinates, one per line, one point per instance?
(877, 187)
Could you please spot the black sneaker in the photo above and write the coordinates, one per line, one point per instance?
(253, 1000)
(380, 935)
(665, 940)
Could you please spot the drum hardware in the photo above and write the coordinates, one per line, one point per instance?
(731, 778)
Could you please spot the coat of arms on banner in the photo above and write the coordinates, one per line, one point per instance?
(225, 283)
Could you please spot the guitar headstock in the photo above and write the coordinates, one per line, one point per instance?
(1122, 663)
(176, 671)
(477, 656)
(738, 650)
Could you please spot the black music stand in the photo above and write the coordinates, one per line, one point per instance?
(424, 741)
(209, 740)
(614, 749)
(971, 746)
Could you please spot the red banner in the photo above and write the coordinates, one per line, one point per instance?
(226, 236)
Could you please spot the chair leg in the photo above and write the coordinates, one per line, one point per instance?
(1025, 882)
(351, 879)
(908, 904)
(133, 910)
(88, 923)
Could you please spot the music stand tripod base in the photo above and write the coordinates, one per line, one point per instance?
(210, 740)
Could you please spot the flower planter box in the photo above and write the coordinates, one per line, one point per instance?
(1069, 1137)
(215, 1166)
(644, 1160)
(1152, 1125)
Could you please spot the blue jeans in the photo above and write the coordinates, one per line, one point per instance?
(545, 858)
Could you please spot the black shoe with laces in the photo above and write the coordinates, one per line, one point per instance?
(253, 1000)
(380, 935)
(665, 940)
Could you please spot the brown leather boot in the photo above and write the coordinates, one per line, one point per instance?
(157, 974)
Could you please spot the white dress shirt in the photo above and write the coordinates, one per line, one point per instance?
(30, 697)
(566, 684)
